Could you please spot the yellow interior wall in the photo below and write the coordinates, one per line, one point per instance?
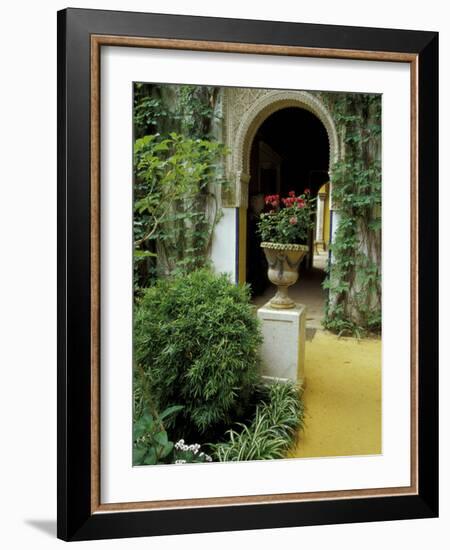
(326, 215)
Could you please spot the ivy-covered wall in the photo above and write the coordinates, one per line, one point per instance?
(180, 172)
(178, 167)
(354, 277)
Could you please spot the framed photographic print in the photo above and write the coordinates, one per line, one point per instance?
(247, 274)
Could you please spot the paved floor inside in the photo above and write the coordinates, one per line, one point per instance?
(343, 380)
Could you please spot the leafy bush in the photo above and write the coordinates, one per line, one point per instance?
(196, 342)
(279, 416)
(151, 442)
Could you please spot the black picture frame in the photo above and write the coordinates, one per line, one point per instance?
(76, 521)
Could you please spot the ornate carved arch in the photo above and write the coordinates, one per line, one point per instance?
(248, 118)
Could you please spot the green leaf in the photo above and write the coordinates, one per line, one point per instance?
(139, 254)
(138, 455)
(150, 457)
(138, 431)
(170, 411)
(166, 450)
(143, 426)
(161, 146)
(161, 438)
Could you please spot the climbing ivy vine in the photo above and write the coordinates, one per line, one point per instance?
(354, 275)
(178, 167)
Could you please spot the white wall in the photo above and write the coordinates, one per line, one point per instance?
(28, 274)
(224, 244)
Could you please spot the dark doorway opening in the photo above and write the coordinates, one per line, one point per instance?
(290, 151)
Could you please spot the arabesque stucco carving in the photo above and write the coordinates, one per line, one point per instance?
(244, 110)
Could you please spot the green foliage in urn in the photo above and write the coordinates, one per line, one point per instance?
(289, 220)
(278, 418)
(196, 343)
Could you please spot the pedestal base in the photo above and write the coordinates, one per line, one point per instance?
(283, 347)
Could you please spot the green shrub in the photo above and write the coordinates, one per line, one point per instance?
(151, 443)
(278, 417)
(196, 341)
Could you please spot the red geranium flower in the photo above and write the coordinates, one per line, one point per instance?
(273, 200)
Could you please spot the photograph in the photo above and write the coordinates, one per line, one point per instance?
(247, 274)
(221, 275)
(257, 274)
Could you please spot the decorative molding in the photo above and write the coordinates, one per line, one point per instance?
(284, 246)
(245, 109)
(242, 181)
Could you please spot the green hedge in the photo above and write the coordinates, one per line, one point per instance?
(196, 345)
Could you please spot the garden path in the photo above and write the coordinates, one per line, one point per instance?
(343, 380)
(342, 397)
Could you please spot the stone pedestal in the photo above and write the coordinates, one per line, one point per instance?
(283, 348)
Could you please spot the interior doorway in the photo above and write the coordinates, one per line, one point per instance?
(290, 151)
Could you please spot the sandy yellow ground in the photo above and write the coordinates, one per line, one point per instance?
(342, 397)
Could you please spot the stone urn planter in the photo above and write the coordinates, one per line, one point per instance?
(283, 261)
